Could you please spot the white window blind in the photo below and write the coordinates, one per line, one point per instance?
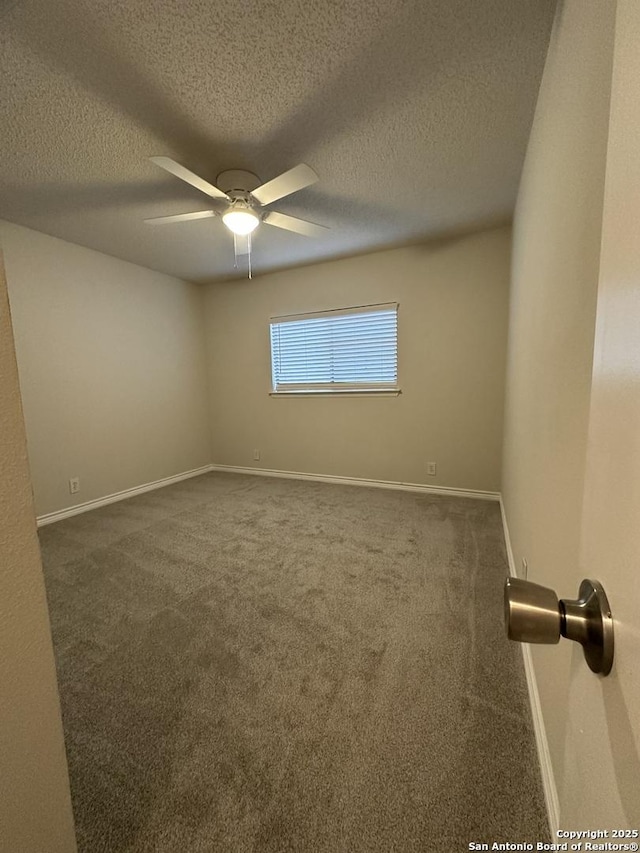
(352, 349)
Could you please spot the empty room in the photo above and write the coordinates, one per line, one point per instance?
(319, 455)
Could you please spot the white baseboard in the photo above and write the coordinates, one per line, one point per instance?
(68, 512)
(544, 756)
(359, 481)
(50, 517)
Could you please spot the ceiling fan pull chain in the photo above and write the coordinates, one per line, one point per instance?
(235, 252)
(249, 245)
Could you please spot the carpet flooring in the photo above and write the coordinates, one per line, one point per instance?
(259, 664)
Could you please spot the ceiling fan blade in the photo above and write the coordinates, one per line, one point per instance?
(292, 223)
(289, 182)
(179, 171)
(181, 217)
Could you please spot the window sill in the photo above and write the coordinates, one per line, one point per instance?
(351, 392)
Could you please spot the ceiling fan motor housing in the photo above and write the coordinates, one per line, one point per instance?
(236, 181)
(238, 185)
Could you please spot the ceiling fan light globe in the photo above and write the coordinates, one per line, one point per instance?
(241, 221)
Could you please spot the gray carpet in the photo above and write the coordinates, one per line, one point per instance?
(254, 664)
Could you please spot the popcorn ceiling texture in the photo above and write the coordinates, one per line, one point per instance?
(414, 114)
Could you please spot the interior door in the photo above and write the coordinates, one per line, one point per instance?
(602, 760)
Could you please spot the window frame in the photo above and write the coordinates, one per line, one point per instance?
(334, 389)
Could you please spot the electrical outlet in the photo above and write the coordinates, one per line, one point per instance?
(525, 569)
(431, 469)
(74, 485)
(256, 455)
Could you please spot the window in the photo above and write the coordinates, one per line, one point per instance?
(348, 350)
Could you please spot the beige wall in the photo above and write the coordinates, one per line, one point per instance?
(35, 805)
(452, 338)
(112, 369)
(556, 254)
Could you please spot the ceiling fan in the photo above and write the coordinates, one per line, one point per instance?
(245, 199)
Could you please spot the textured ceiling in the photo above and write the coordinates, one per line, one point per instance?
(414, 113)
